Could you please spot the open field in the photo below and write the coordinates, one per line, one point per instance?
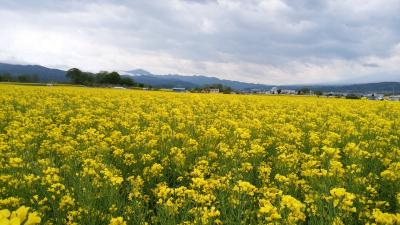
(102, 156)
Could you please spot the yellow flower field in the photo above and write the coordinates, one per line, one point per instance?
(71, 155)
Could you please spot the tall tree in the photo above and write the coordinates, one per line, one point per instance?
(105, 77)
(77, 76)
(127, 81)
(113, 78)
(6, 77)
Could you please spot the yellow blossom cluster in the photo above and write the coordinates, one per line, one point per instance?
(19, 216)
(78, 155)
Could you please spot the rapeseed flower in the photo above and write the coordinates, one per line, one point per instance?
(77, 155)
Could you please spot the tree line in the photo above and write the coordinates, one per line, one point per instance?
(306, 91)
(25, 78)
(76, 76)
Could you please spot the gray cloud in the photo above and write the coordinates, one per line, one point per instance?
(264, 41)
(370, 65)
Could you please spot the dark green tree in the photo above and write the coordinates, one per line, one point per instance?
(105, 77)
(27, 78)
(101, 77)
(23, 78)
(304, 91)
(113, 78)
(352, 96)
(6, 77)
(127, 81)
(318, 93)
(77, 76)
(227, 90)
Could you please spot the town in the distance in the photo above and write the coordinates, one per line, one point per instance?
(141, 79)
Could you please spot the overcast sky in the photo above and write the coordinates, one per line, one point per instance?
(261, 41)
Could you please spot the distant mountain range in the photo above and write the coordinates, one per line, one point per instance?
(173, 80)
(44, 74)
(381, 87)
(169, 81)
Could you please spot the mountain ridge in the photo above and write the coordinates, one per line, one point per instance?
(174, 80)
(44, 74)
(192, 81)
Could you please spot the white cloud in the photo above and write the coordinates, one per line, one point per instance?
(263, 41)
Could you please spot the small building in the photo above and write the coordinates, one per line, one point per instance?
(256, 91)
(274, 90)
(330, 93)
(214, 90)
(117, 87)
(337, 94)
(288, 92)
(394, 98)
(375, 96)
(177, 89)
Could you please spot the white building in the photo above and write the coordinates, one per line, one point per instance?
(375, 96)
(394, 98)
(214, 90)
(176, 89)
(288, 92)
(274, 90)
